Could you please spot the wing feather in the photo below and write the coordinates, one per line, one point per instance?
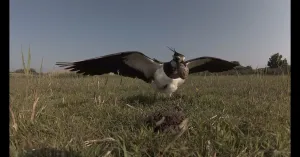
(210, 64)
(130, 63)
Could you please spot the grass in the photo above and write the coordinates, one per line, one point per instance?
(92, 116)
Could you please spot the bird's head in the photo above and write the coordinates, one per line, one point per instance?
(177, 57)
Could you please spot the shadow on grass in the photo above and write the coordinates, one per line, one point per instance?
(143, 100)
(49, 152)
(146, 100)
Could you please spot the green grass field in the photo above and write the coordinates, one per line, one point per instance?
(228, 116)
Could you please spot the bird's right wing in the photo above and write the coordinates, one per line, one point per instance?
(131, 64)
(210, 64)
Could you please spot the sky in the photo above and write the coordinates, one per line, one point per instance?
(248, 31)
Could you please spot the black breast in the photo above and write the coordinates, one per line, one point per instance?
(180, 71)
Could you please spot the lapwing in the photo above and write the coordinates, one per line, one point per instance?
(165, 77)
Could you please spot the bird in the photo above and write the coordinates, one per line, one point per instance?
(164, 77)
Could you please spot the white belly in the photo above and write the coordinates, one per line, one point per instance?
(161, 79)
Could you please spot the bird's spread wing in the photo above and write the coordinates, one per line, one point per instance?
(210, 64)
(157, 61)
(131, 64)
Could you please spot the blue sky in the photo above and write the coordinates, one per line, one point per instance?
(248, 31)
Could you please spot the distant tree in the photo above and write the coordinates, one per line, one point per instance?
(248, 67)
(276, 61)
(236, 62)
(32, 71)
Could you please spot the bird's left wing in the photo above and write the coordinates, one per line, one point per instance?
(210, 64)
(131, 64)
(157, 61)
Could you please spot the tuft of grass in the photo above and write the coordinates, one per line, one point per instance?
(98, 116)
(26, 68)
(41, 67)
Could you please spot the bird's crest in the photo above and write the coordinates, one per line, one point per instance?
(177, 56)
(175, 52)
